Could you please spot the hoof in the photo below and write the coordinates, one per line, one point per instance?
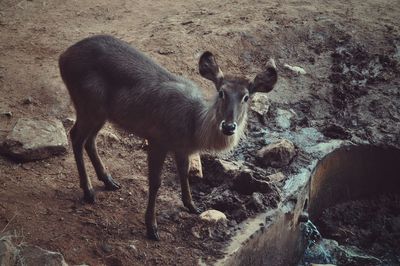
(152, 233)
(89, 196)
(110, 184)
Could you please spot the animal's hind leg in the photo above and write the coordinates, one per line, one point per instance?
(91, 149)
(79, 133)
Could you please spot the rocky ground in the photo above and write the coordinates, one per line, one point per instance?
(346, 89)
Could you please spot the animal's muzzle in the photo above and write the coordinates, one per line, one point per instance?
(228, 128)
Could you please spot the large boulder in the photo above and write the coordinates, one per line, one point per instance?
(33, 139)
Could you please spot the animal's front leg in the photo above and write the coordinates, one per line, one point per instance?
(182, 163)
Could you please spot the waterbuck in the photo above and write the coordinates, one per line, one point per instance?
(108, 80)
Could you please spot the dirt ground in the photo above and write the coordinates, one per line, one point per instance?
(40, 201)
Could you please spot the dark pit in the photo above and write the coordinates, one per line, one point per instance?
(355, 200)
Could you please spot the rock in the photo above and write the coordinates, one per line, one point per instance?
(323, 148)
(260, 103)
(256, 201)
(165, 51)
(7, 114)
(313, 264)
(195, 169)
(33, 255)
(213, 216)
(8, 252)
(33, 139)
(283, 118)
(277, 154)
(277, 177)
(132, 247)
(223, 199)
(296, 69)
(246, 184)
(28, 100)
(108, 135)
(218, 171)
(230, 168)
(68, 122)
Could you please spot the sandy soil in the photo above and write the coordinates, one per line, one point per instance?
(40, 201)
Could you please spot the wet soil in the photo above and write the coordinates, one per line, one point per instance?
(350, 50)
(372, 225)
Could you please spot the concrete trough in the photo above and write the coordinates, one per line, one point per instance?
(348, 173)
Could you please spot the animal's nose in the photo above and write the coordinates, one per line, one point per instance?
(228, 128)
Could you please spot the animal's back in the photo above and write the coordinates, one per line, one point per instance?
(116, 61)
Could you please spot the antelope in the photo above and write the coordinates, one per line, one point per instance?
(109, 80)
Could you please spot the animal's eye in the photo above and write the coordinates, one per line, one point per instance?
(221, 94)
(246, 98)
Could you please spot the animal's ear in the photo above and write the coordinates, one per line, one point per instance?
(265, 81)
(209, 69)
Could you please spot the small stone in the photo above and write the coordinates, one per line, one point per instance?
(296, 69)
(33, 139)
(132, 247)
(187, 22)
(213, 216)
(165, 51)
(283, 118)
(28, 100)
(195, 168)
(277, 177)
(109, 136)
(8, 114)
(68, 122)
(260, 103)
(256, 201)
(277, 154)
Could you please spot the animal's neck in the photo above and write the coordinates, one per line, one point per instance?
(208, 134)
